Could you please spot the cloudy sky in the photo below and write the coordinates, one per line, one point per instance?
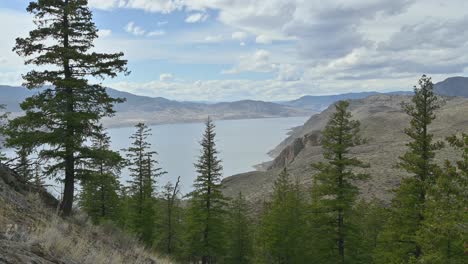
(224, 50)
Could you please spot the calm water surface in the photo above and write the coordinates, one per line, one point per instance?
(241, 143)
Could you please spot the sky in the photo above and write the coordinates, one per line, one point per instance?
(226, 50)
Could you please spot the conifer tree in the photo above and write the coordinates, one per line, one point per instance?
(282, 225)
(240, 242)
(206, 212)
(99, 197)
(169, 234)
(444, 231)
(399, 243)
(334, 191)
(63, 115)
(144, 171)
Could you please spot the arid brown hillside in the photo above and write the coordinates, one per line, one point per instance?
(382, 125)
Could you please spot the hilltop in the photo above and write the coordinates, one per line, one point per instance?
(382, 125)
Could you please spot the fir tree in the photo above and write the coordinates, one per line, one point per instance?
(206, 231)
(399, 243)
(240, 243)
(169, 241)
(444, 231)
(99, 197)
(334, 191)
(282, 225)
(62, 117)
(144, 171)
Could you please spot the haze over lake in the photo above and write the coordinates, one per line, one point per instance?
(241, 143)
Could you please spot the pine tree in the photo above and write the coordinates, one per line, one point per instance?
(282, 225)
(444, 231)
(205, 223)
(99, 197)
(334, 191)
(144, 171)
(399, 243)
(61, 117)
(240, 244)
(169, 235)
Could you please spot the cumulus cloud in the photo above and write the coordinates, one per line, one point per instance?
(259, 61)
(156, 33)
(214, 38)
(134, 29)
(166, 77)
(239, 35)
(196, 17)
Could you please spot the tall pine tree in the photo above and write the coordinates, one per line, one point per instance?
(205, 223)
(334, 192)
(444, 231)
(399, 242)
(63, 115)
(144, 171)
(3, 120)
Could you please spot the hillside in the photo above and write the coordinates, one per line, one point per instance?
(383, 123)
(157, 110)
(454, 86)
(30, 231)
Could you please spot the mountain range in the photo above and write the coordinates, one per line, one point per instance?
(382, 125)
(157, 110)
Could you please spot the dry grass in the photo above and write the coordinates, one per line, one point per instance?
(75, 240)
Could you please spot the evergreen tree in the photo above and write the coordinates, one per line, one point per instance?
(144, 171)
(169, 240)
(205, 230)
(240, 243)
(399, 243)
(282, 225)
(99, 197)
(444, 231)
(334, 191)
(62, 117)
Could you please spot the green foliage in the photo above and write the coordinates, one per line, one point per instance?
(169, 237)
(282, 227)
(445, 227)
(144, 171)
(334, 193)
(399, 243)
(99, 197)
(3, 123)
(63, 115)
(205, 220)
(240, 229)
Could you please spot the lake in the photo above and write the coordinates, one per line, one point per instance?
(241, 143)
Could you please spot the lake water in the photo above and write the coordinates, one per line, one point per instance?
(241, 143)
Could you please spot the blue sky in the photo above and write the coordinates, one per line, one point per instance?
(227, 50)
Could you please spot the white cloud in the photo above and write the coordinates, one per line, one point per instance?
(156, 33)
(104, 33)
(134, 29)
(263, 39)
(239, 35)
(166, 77)
(258, 62)
(162, 23)
(214, 38)
(196, 17)
(160, 6)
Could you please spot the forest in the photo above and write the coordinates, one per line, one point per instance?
(61, 137)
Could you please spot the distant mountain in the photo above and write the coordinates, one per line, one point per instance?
(157, 110)
(454, 86)
(320, 103)
(382, 125)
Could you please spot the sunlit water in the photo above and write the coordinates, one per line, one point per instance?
(242, 144)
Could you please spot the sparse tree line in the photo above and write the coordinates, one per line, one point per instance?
(326, 222)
